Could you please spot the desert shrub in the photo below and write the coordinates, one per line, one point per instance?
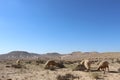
(60, 65)
(7, 66)
(16, 66)
(52, 68)
(66, 77)
(9, 79)
(79, 68)
(68, 62)
(28, 62)
(119, 70)
(95, 76)
(118, 61)
(40, 62)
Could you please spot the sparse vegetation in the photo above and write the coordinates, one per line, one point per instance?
(118, 61)
(60, 65)
(16, 66)
(95, 75)
(33, 69)
(40, 62)
(79, 68)
(119, 70)
(67, 77)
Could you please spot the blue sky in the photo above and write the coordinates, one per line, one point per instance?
(62, 26)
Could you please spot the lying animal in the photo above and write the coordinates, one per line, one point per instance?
(86, 64)
(49, 64)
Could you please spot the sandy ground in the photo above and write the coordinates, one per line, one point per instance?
(36, 72)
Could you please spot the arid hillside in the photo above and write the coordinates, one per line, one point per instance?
(22, 65)
(72, 56)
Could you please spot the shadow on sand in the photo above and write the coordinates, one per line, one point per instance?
(113, 71)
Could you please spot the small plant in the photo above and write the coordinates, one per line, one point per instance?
(28, 62)
(16, 66)
(66, 77)
(95, 76)
(52, 68)
(60, 65)
(119, 70)
(9, 79)
(40, 62)
(79, 68)
(118, 61)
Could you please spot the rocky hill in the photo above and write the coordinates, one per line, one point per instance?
(27, 55)
(90, 55)
(19, 55)
(71, 56)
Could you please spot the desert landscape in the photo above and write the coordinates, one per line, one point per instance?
(31, 66)
(59, 39)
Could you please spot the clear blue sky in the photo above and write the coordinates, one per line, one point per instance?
(62, 26)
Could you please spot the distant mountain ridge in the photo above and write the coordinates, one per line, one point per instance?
(54, 55)
(19, 55)
(28, 55)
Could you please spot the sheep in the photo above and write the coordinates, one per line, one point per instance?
(86, 64)
(103, 65)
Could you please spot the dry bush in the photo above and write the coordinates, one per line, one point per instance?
(95, 75)
(79, 68)
(16, 66)
(52, 68)
(119, 70)
(9, 79)
(66, 77)
(40, 62)
(28, 62)
(60, 65)
(68, 62)
(118, 61)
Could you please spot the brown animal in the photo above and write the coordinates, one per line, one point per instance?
(103, 65)
(86, 64)
(49, 64)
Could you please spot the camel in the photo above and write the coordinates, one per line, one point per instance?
(50, 64)
(103, 65)
(86, 64)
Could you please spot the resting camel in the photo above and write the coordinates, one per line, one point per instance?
(86, 64)
(49, 64)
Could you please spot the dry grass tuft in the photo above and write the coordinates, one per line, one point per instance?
(9, 79)
(17, 66)
(66, 77)
(95, 76)
(79, 68)
(119, 70)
